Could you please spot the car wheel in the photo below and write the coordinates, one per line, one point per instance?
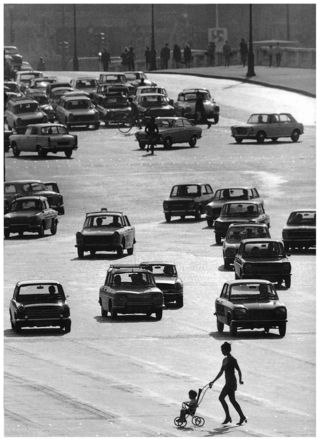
(218, 238)
(295, 135)
(233, 330)
(68, 153)
(220, 326)
(120, 251)
(287, 281)
(41, 231)
(104, 313)
(260, 137)
(238, 140)
(15, 149)
(42, 153)
(67, 327)
(80, 253)
(168, 217)
(216, 119)
(113, 313)
(193, 141)
(167, 143)
(142, 145)
(6, 234)
(179, 303)
(96, 126)
(274, 139)
(16, 327)
(54, 226)
(197, 215)
(226, 264)
(159, 314)
(282, 329)
(130, 250)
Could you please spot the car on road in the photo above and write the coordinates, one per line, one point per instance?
(300, 230)
(77, 111)
(235, 234)
(239, 212)
(40, 96)
(172, 130)
(250, 304)
(15, 57)
(167, 279)
(23, 111)
(130, 289)
(223, 195)
(42, 83)
(186, 104)
(84, 84)
(141, 90)
(105, 230)
(24, 77)
(263, 259)
(187, 200)
(154, 104)
(39, 303)
(18, 188)
(32, 214)
(112, 108)
(137, 78)
(261, 126)
(116, 78)
(44, 138)
(12, 88)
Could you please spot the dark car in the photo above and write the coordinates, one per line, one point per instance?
(39, 303)
(186, 104)
(106, 231)
(187, 200)
(250, 304)
(239, 212)
(77, 111)
(300, 230)
(229, 194)
(154, 104)
(167, 279)
(14, 189)
(263, 259)
(172, 130)
(138, 78)
(30, 213)
(112, 108)
(130, 289)
(238, 232)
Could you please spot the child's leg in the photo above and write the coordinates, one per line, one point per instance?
(183, 413)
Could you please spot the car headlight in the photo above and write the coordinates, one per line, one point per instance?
(281, 312)
(240, 313)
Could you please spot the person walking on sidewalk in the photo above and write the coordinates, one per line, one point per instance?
(243, 52)
(227, 53)
(176, 56)
(229, 365)
(278, 54)
(152, 131)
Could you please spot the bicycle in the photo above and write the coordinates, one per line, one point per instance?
(127, 122)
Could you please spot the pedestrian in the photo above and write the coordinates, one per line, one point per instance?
(243, 51)
(105, 59)
(189, 407)
(41, 64)
(165, 56)
(211, 53)
(153, 59)
(229, 365)
(131, 59)
(176, 56)
(278, 54)
(226, 53)
(187, 54)
(200, 111)
(147, 55)
(152, 131)
(270, 55)
(125, 59)
(134, 113)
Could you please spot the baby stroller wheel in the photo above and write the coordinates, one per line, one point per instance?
(198, 421)
(179, 423)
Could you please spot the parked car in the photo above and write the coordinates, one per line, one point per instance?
(223, 195)
(39, 303)
(172, 130)
(57, 93)
(186, 104)
(18, 188)
(167, 279)
(250, 304)
(235, 234)
(154, 104)
(13, 88)
(15, 57)
(44, 138)
(85, 84)
(187, 200)
(141, 90)
(261, 126)
(263, 259)
(137, 78)
(106, 89)
(23, 111)
(24, 77)
(112, 108)
(77, 111)
(42, 83)
(239, 212)
(41, 97)
(130, 289)
(116, 78)
(32, 214)
(57, 85)
(106, 231)
(300, 230)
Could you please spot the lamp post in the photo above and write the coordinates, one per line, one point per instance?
(250, 72)
(153, 57)
(75, 55)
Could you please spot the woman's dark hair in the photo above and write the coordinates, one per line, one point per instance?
(193, 394)
(226, 346)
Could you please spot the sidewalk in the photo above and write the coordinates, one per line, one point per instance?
(292, 79)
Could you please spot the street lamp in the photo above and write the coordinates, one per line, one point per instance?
(153, 57)
(250, 72)
(75, 56)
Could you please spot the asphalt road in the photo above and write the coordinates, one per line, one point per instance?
(128, 377)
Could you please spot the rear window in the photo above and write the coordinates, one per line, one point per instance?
(302, 218)
(185, 191)
(239, 209)
(43, 292)
(263, 250)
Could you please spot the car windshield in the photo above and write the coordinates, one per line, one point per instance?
(302, 218)
(131, 279)
(153, 100)
(255, 292)
(226, 194)
(164, 270)
(166, 123)
(10, 189)
(26, 204)
(103, 221)
(54, 130)
(191, 190)
(193, 96)
(239, 210)
(86, 84)
(52, 187)
(41, 293)
(26, 108)
(113, 78)
(237, 233)
(263, 250)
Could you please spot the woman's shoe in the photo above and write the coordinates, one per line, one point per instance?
(227, 420)
(242, 420)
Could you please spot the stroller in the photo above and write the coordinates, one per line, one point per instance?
(196, 420)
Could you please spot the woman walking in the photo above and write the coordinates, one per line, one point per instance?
(229, 365)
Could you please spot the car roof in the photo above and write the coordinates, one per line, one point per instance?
(199, 89)
(28, 72)
(104, 212)
(45, 125)
(41, 198)
(85, 78)
(303, 209)
(192, 183)
(157, 262)
(37, 282)
(250, 202)
(153, 94)
(234, 188)
(22, 100)
(23, 181)
(248, 281)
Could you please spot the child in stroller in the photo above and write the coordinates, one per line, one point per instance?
(189, 408)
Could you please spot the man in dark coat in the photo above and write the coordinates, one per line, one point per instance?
(105, 59)
(147, 57)
(176, 56)
(165, 56)
(187, 54)
(243, 51)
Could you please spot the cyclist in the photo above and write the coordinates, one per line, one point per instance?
(134, 113)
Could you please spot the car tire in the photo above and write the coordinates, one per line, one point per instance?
(168, 217)
(233, 330)
(193, 141)
(216, 119)
(15, 149)
(167, 142)
(67, 327)
(210, 223)
(41, 231)
(282, 329)
(226, 264)
(295, 135)
(261, 136)
(287, 282)
(218, 238)
(142, 145)
(274, 139)
(159, 314)
(80, 253)
(6, 234)
(130, 250)
(197, 215)
(238, 140)
(54, 226)
(68, 153)
(220, 326)
(179, 303)
(104, 313)
(113, 313)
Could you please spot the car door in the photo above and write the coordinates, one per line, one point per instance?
(221, 304)
(105, 291)
(30, 139)
(206, 194)
(286, 124)
(129, 232)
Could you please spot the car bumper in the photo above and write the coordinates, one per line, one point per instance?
(270, 277)
(84, 122)
(172, 296)
(182, 212)
(59, 148)
(250, 324)
(100, 247)
(42, 322)
(22, 228)
(133, 309)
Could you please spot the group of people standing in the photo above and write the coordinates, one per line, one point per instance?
(179, 56)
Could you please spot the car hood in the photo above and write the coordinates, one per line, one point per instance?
(140, 290)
